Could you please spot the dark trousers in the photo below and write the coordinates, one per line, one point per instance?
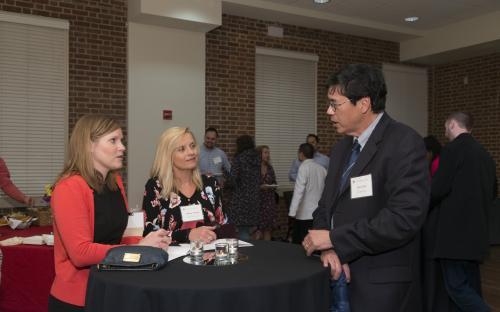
(340, 295)
(56, 305)
(463, 283)
(300, 230)
(435, 296)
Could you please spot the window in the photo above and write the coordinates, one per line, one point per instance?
(33, 100)
(285, 105)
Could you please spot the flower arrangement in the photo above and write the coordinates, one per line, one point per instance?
(48, 193)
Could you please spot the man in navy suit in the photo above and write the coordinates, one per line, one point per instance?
(375, 198)
(463, 190)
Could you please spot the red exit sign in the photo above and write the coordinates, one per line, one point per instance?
(167, 114)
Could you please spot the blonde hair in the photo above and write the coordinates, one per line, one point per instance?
(163, 163)
(89, 129)
(260, 149)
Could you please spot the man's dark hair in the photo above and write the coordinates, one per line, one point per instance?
(212, 129)
(356, 81)
(432, 145)
(312, 135)
(464, 120)
(243, 143)
(307, 150)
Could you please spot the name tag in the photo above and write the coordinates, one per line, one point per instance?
(361, 186)
(191, 213)
(217, 160)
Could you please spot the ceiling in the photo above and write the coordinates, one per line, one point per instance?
(432, 13)
(384, 19)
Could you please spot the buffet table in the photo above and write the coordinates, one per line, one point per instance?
(27, 272)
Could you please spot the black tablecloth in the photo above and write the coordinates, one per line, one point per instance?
(276, 277)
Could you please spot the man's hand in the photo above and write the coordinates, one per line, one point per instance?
(317, 240)
(330, 259)
(347, 272)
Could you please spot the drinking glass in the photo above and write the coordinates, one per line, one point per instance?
(221, 251)
(233, 247)
(196, 249)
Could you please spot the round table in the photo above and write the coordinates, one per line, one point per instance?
(276, 277)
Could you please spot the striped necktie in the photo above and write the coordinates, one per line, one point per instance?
(356, 148)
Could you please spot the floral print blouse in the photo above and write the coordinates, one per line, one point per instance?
(166, 212)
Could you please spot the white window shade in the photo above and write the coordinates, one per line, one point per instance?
(33, 104)
(285, 106)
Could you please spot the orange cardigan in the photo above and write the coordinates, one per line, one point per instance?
(74, 251)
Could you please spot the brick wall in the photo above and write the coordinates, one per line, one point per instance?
(230, 76)
(230, 70)
(97, 52)
(480, 97)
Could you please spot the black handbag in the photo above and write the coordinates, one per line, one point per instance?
(134, 258)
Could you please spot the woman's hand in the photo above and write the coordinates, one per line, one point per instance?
(159, 239)
(203, 233)
(28, 201)
(267, 187)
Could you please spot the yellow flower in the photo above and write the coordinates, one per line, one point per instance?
(48, 189)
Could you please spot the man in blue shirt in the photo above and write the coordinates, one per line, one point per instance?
(319, 158)
(213, 160)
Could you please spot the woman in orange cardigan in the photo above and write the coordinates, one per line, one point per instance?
(90, 209)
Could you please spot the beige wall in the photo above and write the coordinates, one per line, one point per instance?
(407, 95)
(166, 70)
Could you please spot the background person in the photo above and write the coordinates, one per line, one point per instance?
(307, 192)
(434, 293)
(319, 158)
(268, 205)
(177, 190)
(89, 208)
(433, 148)
(213, 160)
(9, 188)
(245, 176)
(463, 190)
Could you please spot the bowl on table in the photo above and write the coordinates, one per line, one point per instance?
(20, 222)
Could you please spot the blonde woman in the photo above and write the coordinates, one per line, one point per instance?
(177, 197)
(268, 207)
(90, 209)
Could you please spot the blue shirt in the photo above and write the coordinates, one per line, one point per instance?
(213, 161)
(363, 138)
(319, 158)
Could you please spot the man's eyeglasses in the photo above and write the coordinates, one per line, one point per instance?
(335, 105)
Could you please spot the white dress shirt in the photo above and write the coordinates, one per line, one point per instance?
(308, 189)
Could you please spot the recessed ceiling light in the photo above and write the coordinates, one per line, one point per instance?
(411, 19)
(321, 1)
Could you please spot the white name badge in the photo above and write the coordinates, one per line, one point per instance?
(361, 186)
(191, 213)
(217, 160)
